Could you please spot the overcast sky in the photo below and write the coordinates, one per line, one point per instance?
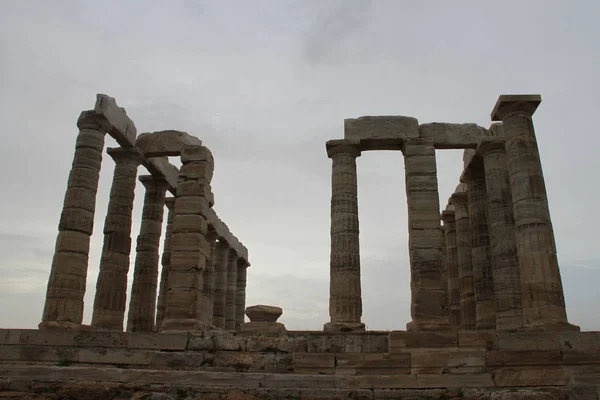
(264, 84)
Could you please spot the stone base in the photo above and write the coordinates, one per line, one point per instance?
(263, 327)
(344, 327)
(181, 325)
(414, 326)
(552, 326)
(64, 325)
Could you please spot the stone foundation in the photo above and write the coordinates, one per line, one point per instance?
(299, 365)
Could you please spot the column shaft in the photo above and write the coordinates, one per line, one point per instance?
(66, 285)
(165, 261)
(240, 304)
(230, 302)
(429, 308)
(208, 291)
(452, 268)
(111, 286)
(503, 242)
(345, 299)
(485, 303)
(465, 260)
(543, 299)
(142, 306)
(221, 262)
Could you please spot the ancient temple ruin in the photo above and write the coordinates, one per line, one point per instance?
(487, 304)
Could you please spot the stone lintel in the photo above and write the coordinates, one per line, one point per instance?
(336, 146)
(447, 216)
(162, 166)
(116, 122)
(166, 143)
(225, 234)
(151, 180)
(381, 127)
(382, 144)
(453, 136)
(491, 145)
(509, 103)
(131, 153)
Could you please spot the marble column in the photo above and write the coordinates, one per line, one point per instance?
(485, 303)
(465, 260)
(345, 299)
(240, 303)
(165, 261)
(503, 242)
(142, 305)
(452, 268)
(111, 286)
(543, 298)
(221, 262)
(63, 307)
(429, 305)
(208, 291)
(189, 248)
(230, 302)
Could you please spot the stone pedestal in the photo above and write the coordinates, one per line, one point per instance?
(231, 293)
(543, 302)
(485, 303)
(66, 285)
(111, 286)
(189, 248)
(142, 306)
(465, 260)
(240, 294)
(165, 261)
(429, 308)
(263, 319)
(452, 268)
(221, 262)
(503, 244)
(345, 301)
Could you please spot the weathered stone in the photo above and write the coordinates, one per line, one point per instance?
(165, 143)
(262, 313)
(453, 136)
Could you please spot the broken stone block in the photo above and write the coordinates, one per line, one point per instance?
(262, 313)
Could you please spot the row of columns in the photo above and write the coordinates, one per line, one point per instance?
(500, 251)
(211, 292)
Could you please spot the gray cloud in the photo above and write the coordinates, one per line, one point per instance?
(264, 85)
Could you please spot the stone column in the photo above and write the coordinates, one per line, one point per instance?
(485, 303)
(221, 262)
(503, 243)
(63, 307)
(142, 305)
(188, 244)
(208, 291)
(240, 304)
(429, 309)
(111, 286)
(452, 268)
(230, 302)
(345, 299)
(465, 260)
(543, 299)
(165, 261)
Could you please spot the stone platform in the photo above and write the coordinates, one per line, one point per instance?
(299, 365)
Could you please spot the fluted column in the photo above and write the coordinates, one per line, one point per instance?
(503, 242)
(429, 308)
(189, 248)
(208, 292)
(111, 286)
(221, 262)
(465, 260)
(165, 261)
(142, 306)
(63, 307)
(543, 299)
(240, 303)
(345, 299)
(485, 303)
(230, 302)
(452, 268)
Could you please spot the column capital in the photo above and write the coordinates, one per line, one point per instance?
(447, 216)
(509, 104)
(491, 145)
(154, 182)
(170, 203)
(90, 119)
(458, 198)
(338, 146)
(121, 155)
(242, 262)
(473, 170)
